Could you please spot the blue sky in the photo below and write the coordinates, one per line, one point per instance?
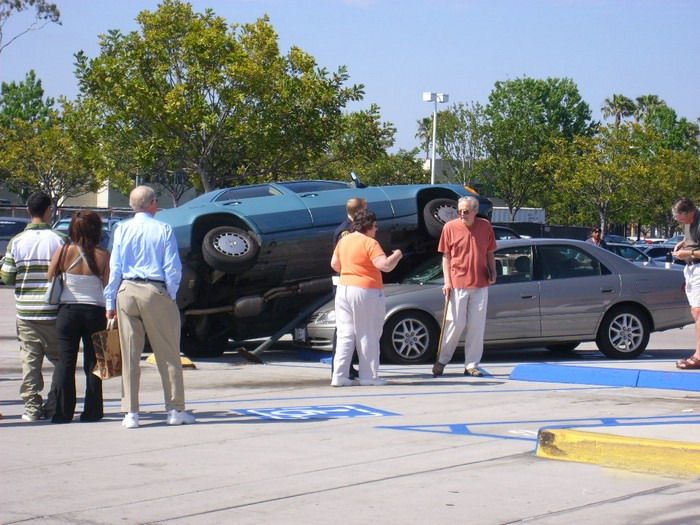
(398, 49)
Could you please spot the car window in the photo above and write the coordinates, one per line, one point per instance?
(504, 233)
(428, 272)
(629, 253)
(9, 228)
(248, 192)
(306, 186)
(513, 265)
(566, 262)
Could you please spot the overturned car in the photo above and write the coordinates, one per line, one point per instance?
(255, 256)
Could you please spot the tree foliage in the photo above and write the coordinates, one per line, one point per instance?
(44, 12)
(523, 117)
(24, 101)
(190, 94)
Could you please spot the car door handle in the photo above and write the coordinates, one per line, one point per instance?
(310, 195)
(525, 296)
(606, 290)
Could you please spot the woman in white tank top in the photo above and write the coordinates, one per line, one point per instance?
(85, 268)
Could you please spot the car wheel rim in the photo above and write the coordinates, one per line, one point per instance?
(626, 333)
(410, 339)
(445, 213)
(232, 244)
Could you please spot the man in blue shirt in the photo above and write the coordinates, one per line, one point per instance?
(145, 272)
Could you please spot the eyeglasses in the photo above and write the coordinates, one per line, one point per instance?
(464, 212)
(596, 231)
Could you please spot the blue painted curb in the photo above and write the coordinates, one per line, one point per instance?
(607, 376)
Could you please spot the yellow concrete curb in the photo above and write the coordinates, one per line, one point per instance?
(186, 363)
(655, 456)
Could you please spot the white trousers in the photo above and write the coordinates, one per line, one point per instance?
(466, 311)
(359, 318)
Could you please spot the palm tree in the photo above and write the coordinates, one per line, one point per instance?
(425, 134)
(645, 104)
(619, 107)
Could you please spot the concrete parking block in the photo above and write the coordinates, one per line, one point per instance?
(652, 456)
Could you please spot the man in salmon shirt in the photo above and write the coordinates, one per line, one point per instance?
(467, 245)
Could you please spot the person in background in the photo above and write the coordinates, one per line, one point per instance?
(596, 238)
(468, 265)
(353, 205)
(359, 300)
(145, 272)
(688, 250)
(26, 265)
(85, 268)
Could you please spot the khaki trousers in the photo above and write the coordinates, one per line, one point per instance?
(466, 313)
(37, 339)
(147, 309)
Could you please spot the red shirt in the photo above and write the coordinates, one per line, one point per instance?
(467, 246)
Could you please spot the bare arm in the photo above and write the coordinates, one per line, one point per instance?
(491, 262)
(447, 287)
(335, 263)
(386, 264)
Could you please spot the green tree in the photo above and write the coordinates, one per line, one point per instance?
(596, 178)
(24, 101)
(645, 104)
(460, 139)
(189, 94)
(44, 12)
(523, 117)
(618, 107)
(56, 156)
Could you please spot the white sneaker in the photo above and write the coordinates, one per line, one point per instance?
(342, 381)
(131, 420)
(180, 417)
(30, 418)
(373, 382)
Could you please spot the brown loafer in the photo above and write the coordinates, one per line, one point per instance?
(474, 372)
(438, 369)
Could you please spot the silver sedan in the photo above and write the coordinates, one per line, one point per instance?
(549, 292)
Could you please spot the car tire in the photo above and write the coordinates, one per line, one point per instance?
(436, 213)
(624, 333)
(409, 337)
(230, 249)
(562, 348)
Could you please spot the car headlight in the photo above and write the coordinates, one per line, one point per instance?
(326, 317)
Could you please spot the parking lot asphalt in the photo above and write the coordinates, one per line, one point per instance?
(274, 443)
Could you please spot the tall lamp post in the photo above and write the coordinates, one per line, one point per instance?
(429, 96)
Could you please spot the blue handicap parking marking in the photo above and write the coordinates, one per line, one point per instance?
(314, 412)
(526, 430)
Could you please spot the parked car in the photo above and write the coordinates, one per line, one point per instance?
(255, 256)
(554, 293)
(9, 227)
(503, 232)
(672, 241)
(619, 239)
(108, 226)
(641, 257)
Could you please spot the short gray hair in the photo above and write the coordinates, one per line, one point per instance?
(472, 202)
(141, 197)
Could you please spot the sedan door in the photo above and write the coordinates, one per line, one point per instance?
(576, 289)
(514, 301)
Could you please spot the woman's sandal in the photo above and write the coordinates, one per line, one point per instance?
(689, 363)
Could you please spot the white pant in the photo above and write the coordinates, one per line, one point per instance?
(692, 284)
(466, 311)
(359, 318)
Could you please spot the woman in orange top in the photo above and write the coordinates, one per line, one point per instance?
(359, 299)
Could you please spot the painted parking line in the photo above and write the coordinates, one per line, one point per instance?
(527, 430)
(313, 412)
(372, 393)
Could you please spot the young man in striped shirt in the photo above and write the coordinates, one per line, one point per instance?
(25, 265)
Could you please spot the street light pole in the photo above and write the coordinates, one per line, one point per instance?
(429, 96)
